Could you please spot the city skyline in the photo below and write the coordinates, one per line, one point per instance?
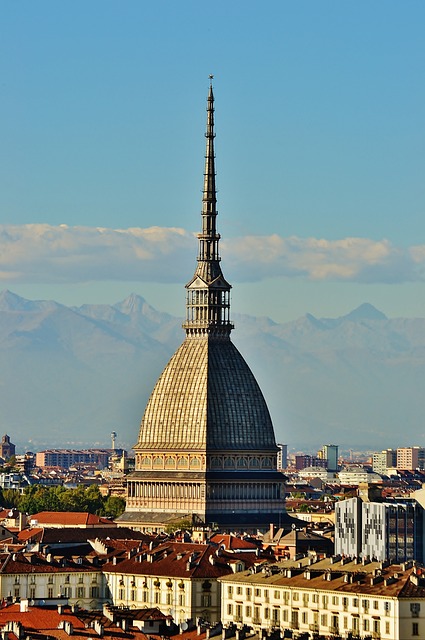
(319, 142)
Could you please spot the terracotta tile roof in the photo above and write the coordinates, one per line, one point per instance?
(21, 563)
(233, 543)
(174, 559)
(363, 578)
(70, 518)
(44, 621)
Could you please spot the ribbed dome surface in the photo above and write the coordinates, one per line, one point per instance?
(207, 398)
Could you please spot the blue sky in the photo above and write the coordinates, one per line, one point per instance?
(320, 151)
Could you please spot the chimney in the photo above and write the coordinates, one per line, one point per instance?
(68, 627)
(98, 627)
(271, 531)
(22, 521)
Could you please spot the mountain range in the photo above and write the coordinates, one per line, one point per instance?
(71, 375)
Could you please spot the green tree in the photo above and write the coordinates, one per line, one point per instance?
(113, 506)
(11, 498)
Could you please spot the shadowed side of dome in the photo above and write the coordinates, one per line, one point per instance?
(238, 417)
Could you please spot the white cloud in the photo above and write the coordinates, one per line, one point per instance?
(50, 254)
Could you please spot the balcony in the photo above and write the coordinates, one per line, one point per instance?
(314, 627)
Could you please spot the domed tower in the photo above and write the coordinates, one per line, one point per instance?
(206, 447)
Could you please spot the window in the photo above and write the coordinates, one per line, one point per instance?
(81, 592)
(257, 593)
(238, 612)
(324, 620)
(132, 594)
(304, 617)
(276, 616)
(296, 596)
(276, 595)
(67, 579)
(230, 591)
(375, 604)
(145, 596)
(315, 598)
(229, 609)
(67, 592)
(415, 608)
(294, 619)
(50, 580)
(266, 613)
(387, 607)
(50, 592)
(335, 600)
(365, 604)
(247, 612)
(239, 591)
(182, 600)
(285, 615)
(32, 592)
(157, 597)
(355, 602)
(387, 628)
(365, 624)
(121, 592)
(205, 600)
(248, 594)
(169, 599)
(377, 627)
(16, 592)
(415, 628)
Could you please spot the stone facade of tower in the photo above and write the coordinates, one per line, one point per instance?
(206, 447)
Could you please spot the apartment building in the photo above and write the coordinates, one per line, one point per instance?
(36, 576)
(391, 531)
(181, 579)
(330, 597)
(410, 458)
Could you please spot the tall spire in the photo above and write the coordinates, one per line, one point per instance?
(208, 293)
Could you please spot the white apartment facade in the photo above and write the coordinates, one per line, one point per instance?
(332, 597)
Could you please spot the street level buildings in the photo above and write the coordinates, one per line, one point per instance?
(334, 597)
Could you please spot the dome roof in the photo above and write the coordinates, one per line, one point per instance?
(207, 399)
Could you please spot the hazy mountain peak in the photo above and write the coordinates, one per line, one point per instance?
(365, 311)
(10, 301)
(132, 304)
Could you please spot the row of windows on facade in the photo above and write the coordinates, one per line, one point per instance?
(67, 592)
(216, 462)
(248, 593)
(228, 491)
(159, 598)
(330, 621)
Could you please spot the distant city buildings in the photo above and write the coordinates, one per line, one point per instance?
(7, 448)
(402, 459)
(305, 460)
(282, 457)
(66, 458)
(329, 452)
